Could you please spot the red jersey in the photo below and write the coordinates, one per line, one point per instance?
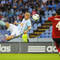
(55, 31)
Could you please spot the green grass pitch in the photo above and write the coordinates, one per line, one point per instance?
(29, 57)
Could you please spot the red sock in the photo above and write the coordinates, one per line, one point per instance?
(57, 46)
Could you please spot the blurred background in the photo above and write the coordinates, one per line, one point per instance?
(14, 10)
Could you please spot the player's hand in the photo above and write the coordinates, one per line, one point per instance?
(25, 32)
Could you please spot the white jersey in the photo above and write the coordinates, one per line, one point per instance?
(26, 23)
(13, 30)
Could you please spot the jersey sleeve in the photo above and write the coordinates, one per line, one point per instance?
(29, 23)
(51, 19)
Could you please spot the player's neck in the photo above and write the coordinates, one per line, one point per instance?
(26, 19)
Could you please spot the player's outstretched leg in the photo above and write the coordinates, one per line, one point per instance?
(9, 37)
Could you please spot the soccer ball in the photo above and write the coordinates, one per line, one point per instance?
(35, 17)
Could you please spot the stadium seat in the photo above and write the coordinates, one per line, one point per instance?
(35, 26)
(50, 12)
(46, 12)
(39, 25)
(31, 31)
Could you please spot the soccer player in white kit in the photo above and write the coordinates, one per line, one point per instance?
(22, 27)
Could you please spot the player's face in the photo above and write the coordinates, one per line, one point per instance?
(26, 17)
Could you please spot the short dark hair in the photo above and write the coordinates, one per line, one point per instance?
(58, 11)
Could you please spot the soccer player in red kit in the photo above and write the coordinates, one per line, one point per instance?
(55, 31)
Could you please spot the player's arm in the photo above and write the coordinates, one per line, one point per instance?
(50, 18)
(29, 27)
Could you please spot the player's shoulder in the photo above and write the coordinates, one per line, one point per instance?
(57, 18)
(23, 19)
